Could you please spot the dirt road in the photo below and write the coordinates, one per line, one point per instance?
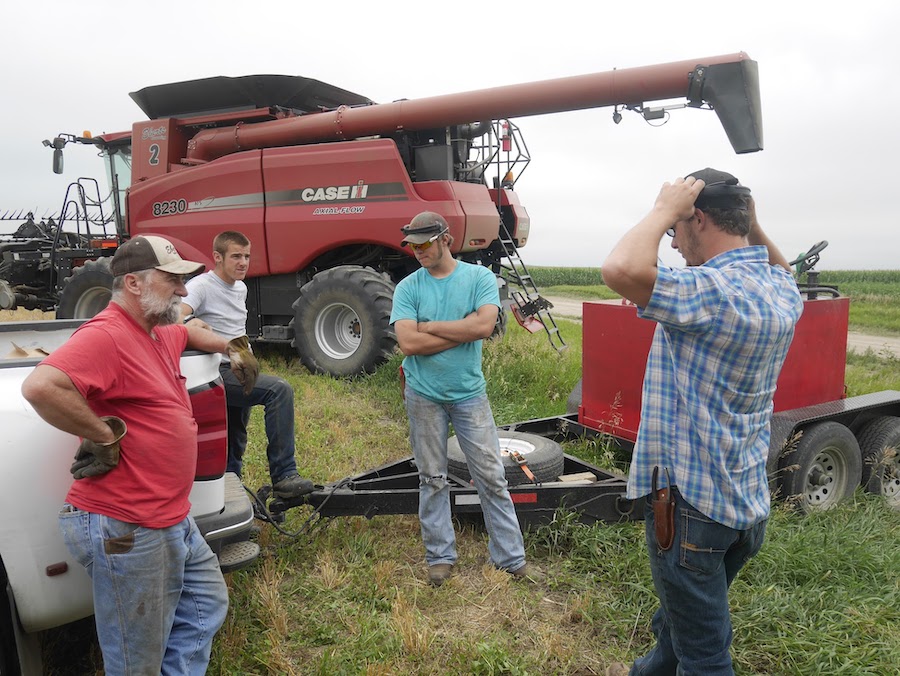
(858, 342)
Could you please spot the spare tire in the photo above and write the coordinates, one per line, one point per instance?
(543, 456)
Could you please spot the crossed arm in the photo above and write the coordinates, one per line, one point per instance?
(424, 338)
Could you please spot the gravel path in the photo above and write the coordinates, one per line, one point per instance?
(858, 342)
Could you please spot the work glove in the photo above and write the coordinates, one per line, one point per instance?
(243, 364)
(93, 459)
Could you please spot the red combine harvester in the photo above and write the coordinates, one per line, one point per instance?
(321, 179)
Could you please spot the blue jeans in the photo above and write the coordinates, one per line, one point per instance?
(277, 397)
(693, 624)
(429, 427)
(159, 596)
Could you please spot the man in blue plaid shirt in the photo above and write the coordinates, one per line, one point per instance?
(724, 326)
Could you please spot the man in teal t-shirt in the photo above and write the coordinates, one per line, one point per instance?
(441, 314)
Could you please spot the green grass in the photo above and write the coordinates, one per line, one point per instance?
(874, 294)
(350, 596)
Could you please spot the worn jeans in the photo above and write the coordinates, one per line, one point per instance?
(693, 624)
(277, 397)
(159, 596)
(474, 425)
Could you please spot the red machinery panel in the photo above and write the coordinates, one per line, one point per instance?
(616, 343)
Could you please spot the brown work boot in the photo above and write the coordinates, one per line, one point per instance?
(617, 669)
(439, 573)
(528, 573)
(292, 486)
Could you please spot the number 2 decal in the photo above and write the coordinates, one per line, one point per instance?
(154, 154)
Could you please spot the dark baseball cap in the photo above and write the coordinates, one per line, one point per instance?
(423, 227)
(147, 252)
(722, 190)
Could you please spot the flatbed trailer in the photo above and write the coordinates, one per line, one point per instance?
(823, 444)
(594, 494)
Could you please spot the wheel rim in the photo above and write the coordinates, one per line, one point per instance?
(92, 302)
(338, 331)
(508, 445)
(890, 480)
(825, 479)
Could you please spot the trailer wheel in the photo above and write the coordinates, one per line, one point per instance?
(543, 456)
(342, 321)
(824, 469)
(880, 446)
(86, 291)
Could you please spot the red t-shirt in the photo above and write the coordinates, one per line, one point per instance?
(122, 371)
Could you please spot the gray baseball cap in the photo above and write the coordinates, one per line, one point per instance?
(146, 252)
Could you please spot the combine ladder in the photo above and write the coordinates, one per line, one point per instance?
(530, 310)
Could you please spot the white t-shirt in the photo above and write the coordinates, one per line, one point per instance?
(223, 306)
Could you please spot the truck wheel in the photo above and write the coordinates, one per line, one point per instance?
(342, 321)
(880, 446)
(543, 456)
(86, 291)
(824, 469)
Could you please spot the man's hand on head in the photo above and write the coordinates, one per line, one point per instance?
(676, 199)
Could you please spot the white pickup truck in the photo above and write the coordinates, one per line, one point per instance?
(44, 587)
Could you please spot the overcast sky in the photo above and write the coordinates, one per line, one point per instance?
(829, 81)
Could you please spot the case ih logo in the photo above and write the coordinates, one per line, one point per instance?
(335, 193)
(153, 134)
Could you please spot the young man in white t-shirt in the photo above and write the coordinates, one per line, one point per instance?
(219, 298)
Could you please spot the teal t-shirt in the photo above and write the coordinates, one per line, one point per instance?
(453, 375)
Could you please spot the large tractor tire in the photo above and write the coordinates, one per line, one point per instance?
(573, 403)
(86, 291)
(342, 321)
(824, 469)
(544, 457)
(879, 442)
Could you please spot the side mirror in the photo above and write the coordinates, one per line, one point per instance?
(57, 144)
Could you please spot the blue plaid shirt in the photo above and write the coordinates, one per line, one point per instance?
(724, 329)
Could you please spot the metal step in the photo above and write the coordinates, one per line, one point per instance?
(237, 555)
(530, 310)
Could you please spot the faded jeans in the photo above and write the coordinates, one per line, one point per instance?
(277, 397)
(473, 422)
(159, 596)
(693, 624)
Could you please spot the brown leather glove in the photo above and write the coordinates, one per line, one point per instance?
(243, 364)
(93, 459)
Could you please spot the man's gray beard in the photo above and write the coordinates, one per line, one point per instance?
(161, 312)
